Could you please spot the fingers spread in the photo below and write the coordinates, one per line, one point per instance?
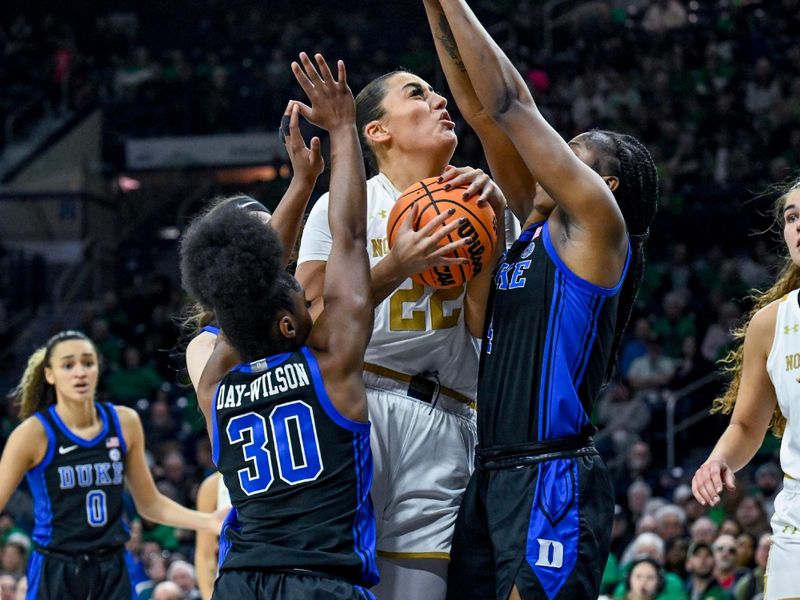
(311, 71)
(324, 70)
(302, 79)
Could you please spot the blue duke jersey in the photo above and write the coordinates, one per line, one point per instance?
(298, 472)
(546, 347)
(77, 488)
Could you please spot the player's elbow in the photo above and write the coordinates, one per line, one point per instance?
(508, 102)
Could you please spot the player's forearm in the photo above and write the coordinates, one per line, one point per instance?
(289, 214)
(347, 209)
(499, 85)
(167, 512)
(478, 289)
(738, 445)
(450, 60)
(385, 279)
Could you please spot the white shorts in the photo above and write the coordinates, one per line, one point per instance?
(423, 458)
(784, 553)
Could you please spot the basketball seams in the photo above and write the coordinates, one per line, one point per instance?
(476, 219)
(428, 189)
(434, 202)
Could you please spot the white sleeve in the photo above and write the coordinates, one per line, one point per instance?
(315, 244)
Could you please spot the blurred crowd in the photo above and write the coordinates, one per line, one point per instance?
(711, 88)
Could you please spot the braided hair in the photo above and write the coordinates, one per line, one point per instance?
(624, 157)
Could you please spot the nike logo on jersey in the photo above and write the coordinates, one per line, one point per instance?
(66, 449)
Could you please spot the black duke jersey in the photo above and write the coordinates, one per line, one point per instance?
(77, 488)
(298, 472)
(546, 347)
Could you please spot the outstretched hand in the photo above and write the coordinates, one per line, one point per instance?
(332, 103)
(709, 480)
(307, 161)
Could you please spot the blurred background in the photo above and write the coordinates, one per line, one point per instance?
(120, 119)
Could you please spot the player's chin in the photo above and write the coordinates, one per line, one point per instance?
(448, 136)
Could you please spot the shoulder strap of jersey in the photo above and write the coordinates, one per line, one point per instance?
(50, 431)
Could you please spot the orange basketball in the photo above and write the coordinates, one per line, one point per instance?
(432, 200)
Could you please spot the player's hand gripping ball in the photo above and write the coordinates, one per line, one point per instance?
(480, 225)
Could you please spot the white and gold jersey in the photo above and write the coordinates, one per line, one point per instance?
(783, 366)
(417, 328)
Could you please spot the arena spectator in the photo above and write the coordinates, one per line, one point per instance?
(675, 555)
(167, 590)
(639, 493)
(752, 584)
(768, 480)
(730, 526)
(674, 324)
(664, 15)
(745, 550)
(8, 587)
(670, 522)
(15, 554)
(133, 380)
(649, 374)
(703, 530)
(181, 573)
(725, 570)
(702, 584)
(645, 580)
(752, 517)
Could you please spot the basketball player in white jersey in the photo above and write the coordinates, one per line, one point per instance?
(422, 363)
(765, 393)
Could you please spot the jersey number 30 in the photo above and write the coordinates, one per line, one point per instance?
(294, 442)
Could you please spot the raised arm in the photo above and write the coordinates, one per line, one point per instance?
(505, 163)
(577, 189)
(307, 165)
(344, 328)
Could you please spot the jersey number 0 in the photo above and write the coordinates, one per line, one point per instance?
(295, 445)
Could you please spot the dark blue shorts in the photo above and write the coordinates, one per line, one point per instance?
(285, 585)
(544, 527)
(78, 577)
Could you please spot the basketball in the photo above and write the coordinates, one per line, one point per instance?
(480, 225)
